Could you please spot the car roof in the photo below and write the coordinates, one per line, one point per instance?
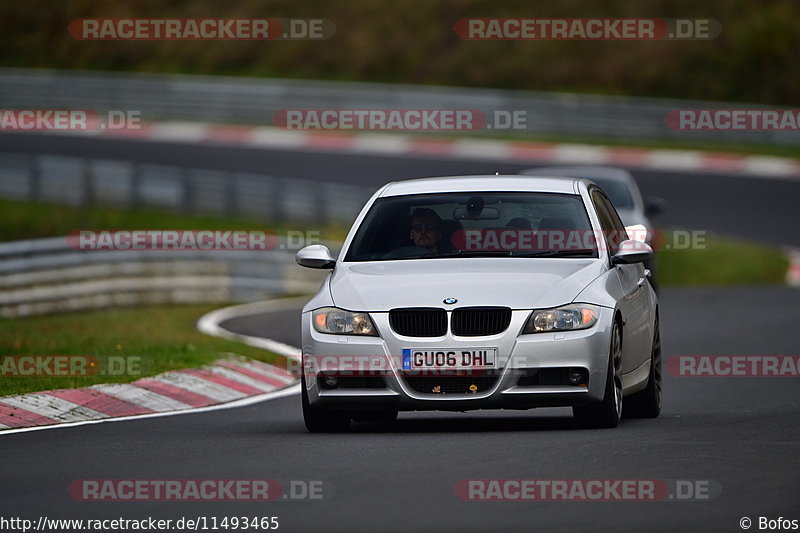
(488, 183)
(587, 171)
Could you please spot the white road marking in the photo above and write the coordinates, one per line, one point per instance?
(258, 369)
(53, 407)
(141, 397)
(210, 325)
(178, 131)
(381, 143)
(240, 378)
(578, 153)
(198, 385)
(675, 159)
(289, 391)
(482, 149)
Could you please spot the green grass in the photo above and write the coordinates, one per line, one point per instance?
(29, 220)
(163, 336)
(724, 261)
(686, 143)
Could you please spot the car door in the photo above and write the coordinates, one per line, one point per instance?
(634, 302)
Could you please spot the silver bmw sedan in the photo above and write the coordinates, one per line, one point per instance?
(482, 292)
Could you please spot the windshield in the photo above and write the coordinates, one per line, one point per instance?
(474, 224)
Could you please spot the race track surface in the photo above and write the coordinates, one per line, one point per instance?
(739, 434)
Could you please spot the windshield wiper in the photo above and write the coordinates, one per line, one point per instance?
(588, 252)
(559, 253)
(483, 253)
(460, 253)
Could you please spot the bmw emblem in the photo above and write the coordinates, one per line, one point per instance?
(450, 301)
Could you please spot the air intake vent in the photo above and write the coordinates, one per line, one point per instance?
(451, 384)
(419, 322)
(479, 321)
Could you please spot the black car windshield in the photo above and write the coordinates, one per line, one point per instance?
(474, 224)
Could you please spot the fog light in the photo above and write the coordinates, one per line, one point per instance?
(330, 382)
(576, 376)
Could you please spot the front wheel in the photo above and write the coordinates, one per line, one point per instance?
(608, 412)
(319, 420)
(647, 403)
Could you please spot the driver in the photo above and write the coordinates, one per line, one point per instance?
(426, 228)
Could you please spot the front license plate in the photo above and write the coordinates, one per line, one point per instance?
(449, 358)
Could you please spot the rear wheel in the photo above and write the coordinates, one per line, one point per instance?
(647, 403)
(608, 412)
(319, 420)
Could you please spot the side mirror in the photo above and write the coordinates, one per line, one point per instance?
(630, 252)
(654, 206)
(315, 256)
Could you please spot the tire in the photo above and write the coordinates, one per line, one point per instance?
(647, 403)
(608, 412)
(319, 420)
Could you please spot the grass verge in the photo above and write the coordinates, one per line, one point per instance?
(687, 143)
(30, 220)
(723, 261)
(161, 338)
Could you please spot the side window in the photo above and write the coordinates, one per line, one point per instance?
(613, 229)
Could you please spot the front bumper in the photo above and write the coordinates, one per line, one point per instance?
(529, 372)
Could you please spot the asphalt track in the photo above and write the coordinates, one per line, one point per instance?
(741, 434)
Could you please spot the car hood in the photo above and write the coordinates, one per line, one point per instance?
(519, 283)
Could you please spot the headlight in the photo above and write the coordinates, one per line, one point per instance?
(565, 318)
(340, 322)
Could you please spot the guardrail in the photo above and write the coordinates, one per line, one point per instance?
(86, 182)
(47, 276)
(255, 101)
